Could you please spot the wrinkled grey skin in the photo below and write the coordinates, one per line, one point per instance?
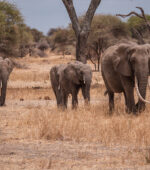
(120, 65)
(69, 79)
(54, 78)
(6, 67)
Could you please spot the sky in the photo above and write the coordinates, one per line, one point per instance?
(46, 14)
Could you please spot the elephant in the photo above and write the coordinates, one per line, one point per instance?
(54, 78)
(125, 66)
(69, 79)
(6, 67)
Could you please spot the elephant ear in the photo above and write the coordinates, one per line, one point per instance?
(71, 74)
(121, 61)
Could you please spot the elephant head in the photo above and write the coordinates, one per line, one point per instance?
(134, 61)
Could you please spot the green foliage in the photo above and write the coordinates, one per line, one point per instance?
(107, 26)
(61, 38)
(136, 22)
(139, 24)
(14, 34)
(37, 35)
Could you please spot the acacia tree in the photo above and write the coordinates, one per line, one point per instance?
(142, 16)
(82, 29)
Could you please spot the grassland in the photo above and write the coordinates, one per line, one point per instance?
(34, 134)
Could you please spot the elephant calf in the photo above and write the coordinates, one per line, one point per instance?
(68, 79)
(6, 67)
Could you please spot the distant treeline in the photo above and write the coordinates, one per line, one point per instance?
(106, 30)
(17, 39)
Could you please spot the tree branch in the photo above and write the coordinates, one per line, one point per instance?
(90, 13)
(73, 16)
(131, 13)
(142, 16)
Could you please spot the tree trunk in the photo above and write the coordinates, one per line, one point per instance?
(81, 30)
(81, 47)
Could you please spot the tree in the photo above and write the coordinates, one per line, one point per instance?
(14, 34)
(141, 16)
(82, 29)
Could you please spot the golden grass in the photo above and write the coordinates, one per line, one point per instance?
(31, 114)
(88, 124)
(92, 123)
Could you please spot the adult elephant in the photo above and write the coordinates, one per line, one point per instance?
(124, 67)
(69, 79)
(6, 67)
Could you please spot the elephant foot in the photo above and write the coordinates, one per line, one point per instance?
(132, 110)
(2, 104)
(140, 107)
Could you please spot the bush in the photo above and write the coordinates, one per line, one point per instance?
(14, 34)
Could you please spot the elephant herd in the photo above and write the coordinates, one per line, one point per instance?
(124, 66)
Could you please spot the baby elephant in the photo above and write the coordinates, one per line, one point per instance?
(68, 79)
(6, 67)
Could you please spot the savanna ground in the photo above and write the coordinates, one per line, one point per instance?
(34, 134)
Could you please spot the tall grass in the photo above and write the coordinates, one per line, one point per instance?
(89, 124)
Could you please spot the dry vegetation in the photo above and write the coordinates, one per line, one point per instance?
(34, 134)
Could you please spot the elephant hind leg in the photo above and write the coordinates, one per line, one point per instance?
(111, 101)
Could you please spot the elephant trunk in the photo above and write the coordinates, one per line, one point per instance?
(86, 92)
(141, 85)
(87, 89)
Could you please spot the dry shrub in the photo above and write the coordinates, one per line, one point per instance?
(89, 124)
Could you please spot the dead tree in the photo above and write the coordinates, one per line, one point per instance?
(142, 16)
(81, 30)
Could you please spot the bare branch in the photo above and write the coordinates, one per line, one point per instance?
(90, 13)
(73, 16)
(131, 13)
(142, 12)
(142, 16)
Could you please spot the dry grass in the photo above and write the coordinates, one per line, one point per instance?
(88, 124)
(76, 139)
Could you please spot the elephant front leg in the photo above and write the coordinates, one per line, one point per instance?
(111, 102)
(64, 98)
(3, 92)
(74, 99)
(86, 94)
(128, 86)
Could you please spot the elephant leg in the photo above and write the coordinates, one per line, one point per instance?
(125, 98)
(58, 97)
(64, 99)
(75, 98)
(86, 94)
(128, 86)
(3, 92)
(111, 101)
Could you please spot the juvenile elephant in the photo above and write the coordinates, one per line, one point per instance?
(124, 67)
(6, 67)
(68, 79)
